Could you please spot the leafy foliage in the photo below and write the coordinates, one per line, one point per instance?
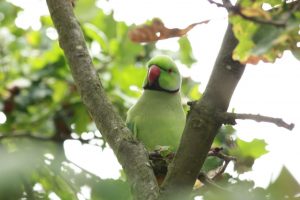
(268, 40)
(284, 187)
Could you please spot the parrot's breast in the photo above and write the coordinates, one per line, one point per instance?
(157, 119)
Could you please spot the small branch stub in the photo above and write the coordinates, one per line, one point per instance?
(230, 118)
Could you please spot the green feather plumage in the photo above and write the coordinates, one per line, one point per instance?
(158, 119)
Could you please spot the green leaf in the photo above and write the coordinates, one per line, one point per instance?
(96, 34)
(246, 153)
(265, 42)
(7, 13)
(111, 190)
(296, 52)
(186, 51)
(86, 10)
(164, 151)
(81, 118)
(265, 37)
(284, 187)
(243, 30)
(34, 38)
(194, 93)
(272, 2)
(224, 137)
(60, 90)
(105, 23)
(211, 163)
(128, 76)
(255, 148)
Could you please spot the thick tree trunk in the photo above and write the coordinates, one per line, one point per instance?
(130, 153)
(202, 124)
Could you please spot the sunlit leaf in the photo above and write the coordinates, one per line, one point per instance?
(194, 93)
(186, 52)
(211, 163)
(130, 79)
(81, 119)
(111, 190)
(7, 12)
(255, 12)
(265, 37)
(225, 137)
(285, 186)
(86, 10)
(94, 33)
(255, 148)
(60, 90)
(265, 41)
(246, 153)
(34, 38)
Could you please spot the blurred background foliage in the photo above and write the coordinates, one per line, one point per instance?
(41, 108)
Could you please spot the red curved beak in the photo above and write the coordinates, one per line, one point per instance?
(153, 74)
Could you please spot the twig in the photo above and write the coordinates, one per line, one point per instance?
(209, 182)
(81, 168)
(216, 3)
(24, 135)
(40, 138)
(217, 153)
(236, 9)
(229, 118)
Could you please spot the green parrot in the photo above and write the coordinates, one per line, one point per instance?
(158, 119)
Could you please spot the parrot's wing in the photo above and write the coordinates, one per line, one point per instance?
(133, 128)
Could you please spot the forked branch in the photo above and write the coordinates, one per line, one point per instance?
(130, 153)
(230, 118)
(238, 10)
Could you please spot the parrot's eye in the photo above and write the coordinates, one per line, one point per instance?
(170, 70)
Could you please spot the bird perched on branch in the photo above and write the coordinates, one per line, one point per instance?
(158, 119)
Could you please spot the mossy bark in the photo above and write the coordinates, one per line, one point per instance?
(202, 124)
(130, 153)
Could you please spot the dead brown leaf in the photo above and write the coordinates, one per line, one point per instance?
(254, 59)
(157, 31)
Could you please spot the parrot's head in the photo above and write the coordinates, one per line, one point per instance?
(163, 75)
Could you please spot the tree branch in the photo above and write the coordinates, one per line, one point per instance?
(229, 118)
(25, 135)
(130, 153)
(201, 125)
(43, 139)
(210, 183)
(237, 9)
(216, 152)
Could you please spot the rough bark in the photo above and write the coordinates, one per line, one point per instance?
(202, 125)
(130, 153)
